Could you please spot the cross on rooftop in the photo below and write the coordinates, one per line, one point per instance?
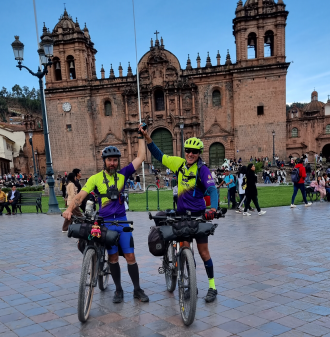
(156, 34)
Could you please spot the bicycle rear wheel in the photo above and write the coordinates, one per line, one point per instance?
(104, 272)
(187, 287)
(86, 289)
(169, 261)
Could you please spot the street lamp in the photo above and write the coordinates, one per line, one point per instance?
(273, 132)
(34, 162)
(182, 145)
(37, 166)
(45, 57)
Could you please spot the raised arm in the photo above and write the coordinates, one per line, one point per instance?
(137, 162)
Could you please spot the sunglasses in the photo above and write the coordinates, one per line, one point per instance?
(193, 151)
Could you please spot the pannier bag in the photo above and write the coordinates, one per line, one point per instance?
(83, 231)
(156, 241)
(185, 229)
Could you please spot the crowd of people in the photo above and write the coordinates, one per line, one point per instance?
(19, 180)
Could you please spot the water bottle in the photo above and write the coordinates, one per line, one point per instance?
(89, 207)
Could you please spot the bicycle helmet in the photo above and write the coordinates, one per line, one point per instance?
(110, 151)
(194, 143)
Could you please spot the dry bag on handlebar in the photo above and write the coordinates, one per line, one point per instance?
(185, 228)
(108, 237)
(205, 229)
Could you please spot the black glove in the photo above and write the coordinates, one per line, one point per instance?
(209, 215)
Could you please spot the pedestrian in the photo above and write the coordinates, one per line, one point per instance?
(175, 196)
(308, 173)
(241, 186)
(138, 182)
(64, 183)
(251, 191)
(157, 181)
(72, 191)
(300, 184)
(321, 189)
(283, 175)
(131, 181)
(229, 181)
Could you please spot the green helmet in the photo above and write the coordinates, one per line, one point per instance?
(194, 143)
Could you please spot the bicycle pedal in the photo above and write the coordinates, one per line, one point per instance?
(161, 270)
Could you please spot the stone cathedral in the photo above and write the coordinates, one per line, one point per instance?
(232, 107)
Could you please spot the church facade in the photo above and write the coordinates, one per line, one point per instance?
(233, 107)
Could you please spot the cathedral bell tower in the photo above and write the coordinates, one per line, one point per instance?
(74, 54)
(259, 30)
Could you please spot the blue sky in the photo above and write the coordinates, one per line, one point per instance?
(187, 27)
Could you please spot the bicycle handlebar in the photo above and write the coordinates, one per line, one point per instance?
(185, 217)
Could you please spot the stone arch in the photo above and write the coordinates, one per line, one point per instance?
(216, 154)
(269, 43)
(252, 43)
(326, 152)
(71, 67)
(162, 137)
(57, 69)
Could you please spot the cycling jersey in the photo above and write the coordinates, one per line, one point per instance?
(110, 209)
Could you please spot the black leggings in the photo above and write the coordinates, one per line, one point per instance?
(248, 202)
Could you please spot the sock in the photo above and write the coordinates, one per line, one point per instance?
(115, 273)
(133, 271)
(210, 273)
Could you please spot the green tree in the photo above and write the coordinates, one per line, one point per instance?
(17, 91)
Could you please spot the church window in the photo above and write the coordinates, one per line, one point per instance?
(260, 110)
(68, 127)
(216, 98)
(252, 46)
(294, 133)
(107, 108)
(327, 129)
(159, 100)
(269, 44)
(57, 69)
(71, 67)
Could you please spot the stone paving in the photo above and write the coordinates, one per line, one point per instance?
(272, 274)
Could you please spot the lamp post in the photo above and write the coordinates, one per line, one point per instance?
(34, 162)
(45, 53)
(37, 163)
(182, 145)
(273, 132)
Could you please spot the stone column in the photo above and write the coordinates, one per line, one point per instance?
(167, 105)
(180, 98)
(129, 147)
(126, 108)
(193, 102)
(176, 103)
(174, 146)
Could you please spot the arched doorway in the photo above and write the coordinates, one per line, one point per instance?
(326, 152)
(163, 139)
(217, 155)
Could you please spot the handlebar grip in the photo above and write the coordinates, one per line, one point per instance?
(128, 229)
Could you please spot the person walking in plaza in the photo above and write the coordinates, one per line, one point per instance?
(229, 181)
(12, 200)
(72, 191)
(308, 173)
(251, 191)
(138, 182)
(299, 184)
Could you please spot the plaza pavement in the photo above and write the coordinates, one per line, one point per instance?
(272, 274)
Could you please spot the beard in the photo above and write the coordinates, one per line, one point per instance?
(111, 170)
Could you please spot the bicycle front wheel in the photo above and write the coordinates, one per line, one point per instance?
(187, 287)
(86, 289)
(104, 272)
(170, 268)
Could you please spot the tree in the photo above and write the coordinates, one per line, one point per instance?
(17, 91)
(4, 92)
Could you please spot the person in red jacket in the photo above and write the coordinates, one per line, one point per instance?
(300, 185)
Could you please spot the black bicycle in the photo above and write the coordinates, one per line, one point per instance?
(95, 266)
(178, 260)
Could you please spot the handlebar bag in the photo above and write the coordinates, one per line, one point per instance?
(83, 230)
(185, 228)
(156, 242)
(167, 233)
(205, 229)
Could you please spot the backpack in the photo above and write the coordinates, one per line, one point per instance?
(295, 177)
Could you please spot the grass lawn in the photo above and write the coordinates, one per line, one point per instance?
(267, 196)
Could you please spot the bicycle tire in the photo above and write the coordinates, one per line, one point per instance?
(187, 305)
(87, 275)
(104, 279)
(171, 274)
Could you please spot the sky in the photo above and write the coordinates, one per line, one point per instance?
(187, 27)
